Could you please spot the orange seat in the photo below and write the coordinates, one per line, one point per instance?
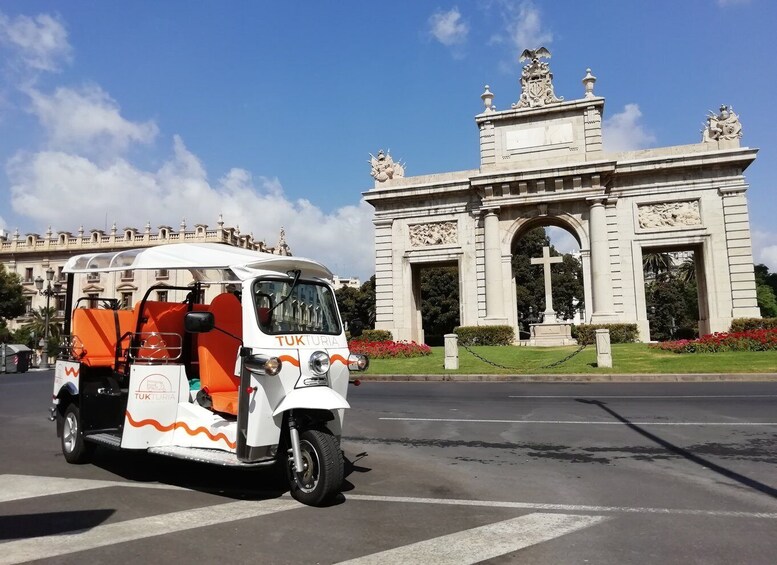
(96, 329)
(218, 352)
(161, 318)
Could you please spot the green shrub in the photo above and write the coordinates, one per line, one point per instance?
(746, 324)
(374, 335)
(585, 334)
(485, 335)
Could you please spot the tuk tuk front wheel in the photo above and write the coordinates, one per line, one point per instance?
(321, 477)
(74, 448)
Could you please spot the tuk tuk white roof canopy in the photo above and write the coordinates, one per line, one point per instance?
(214, 262)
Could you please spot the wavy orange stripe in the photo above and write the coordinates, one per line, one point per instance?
(71, 371)
(175, 425)
(288, 358)
(340, 358)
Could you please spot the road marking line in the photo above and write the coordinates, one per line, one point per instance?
(579, 422)
(562, 507)
(44, 547)
(19, 487)
(484, 542)
(659, 396)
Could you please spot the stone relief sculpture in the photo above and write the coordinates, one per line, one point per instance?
(384, 167)
(725, 125)
(436, 233)
(536, 80)
(670, 214)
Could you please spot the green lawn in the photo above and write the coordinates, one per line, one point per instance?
(627, 358)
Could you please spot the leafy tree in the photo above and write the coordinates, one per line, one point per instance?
(566, 278)
(11, 297)
(767, 302)
(439, 301)
(358, 303)
(686, 271)
(672, 309)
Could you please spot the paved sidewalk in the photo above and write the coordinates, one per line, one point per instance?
(579, 378)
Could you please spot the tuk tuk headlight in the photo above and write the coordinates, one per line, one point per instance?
(319, 363)
(358, 362)
(261, 364)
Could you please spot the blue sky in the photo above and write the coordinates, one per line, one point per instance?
(154, 111)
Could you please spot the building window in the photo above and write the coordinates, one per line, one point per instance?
(127, 275)
(161, 296)
(93, 299)
(126, 300)
(162, 274)
(60, 275)
(28, 274)
(92, 277)
(59, 305)
(28, 305)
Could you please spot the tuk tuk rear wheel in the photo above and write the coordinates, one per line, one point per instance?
(322, 474)
(74, 448)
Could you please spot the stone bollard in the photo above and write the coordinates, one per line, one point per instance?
(451, 352)
(603, 351)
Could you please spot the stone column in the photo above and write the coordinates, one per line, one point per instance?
(600, 264)
(495, 311)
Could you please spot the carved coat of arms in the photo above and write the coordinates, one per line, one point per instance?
(536, 80)
(384, 167)
(724, 125)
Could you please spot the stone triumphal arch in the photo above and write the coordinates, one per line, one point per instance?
(542, 162)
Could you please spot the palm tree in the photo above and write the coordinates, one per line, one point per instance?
(656, 264)
(38, 326)
(687, 270)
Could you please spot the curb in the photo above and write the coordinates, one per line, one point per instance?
(580, 378)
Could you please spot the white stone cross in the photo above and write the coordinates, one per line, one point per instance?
(546, 260)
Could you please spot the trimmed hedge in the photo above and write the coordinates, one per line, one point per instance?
(585, 334)
(746, 324)
(374, 335)
(485, 335)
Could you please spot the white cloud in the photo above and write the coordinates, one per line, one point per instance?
(624, 132)
(39, 43)
(65, 190)
(448, 27)
(524, 28)
(87, 119)
(562, 240)
(765, 249)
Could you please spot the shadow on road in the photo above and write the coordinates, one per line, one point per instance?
(22, 526)
(728, 473)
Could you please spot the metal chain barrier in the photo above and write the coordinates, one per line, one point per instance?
(549, 366)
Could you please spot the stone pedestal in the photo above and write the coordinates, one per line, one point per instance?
(451, 352)
(603, 351)
(552, 334)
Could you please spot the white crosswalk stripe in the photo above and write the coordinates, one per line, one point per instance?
(468, 546)
(485, 542)
(30, 549)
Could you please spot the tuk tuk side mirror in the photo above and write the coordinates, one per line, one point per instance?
(199, 322)
(356, 328)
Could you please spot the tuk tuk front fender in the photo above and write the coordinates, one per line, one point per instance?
(315, 397)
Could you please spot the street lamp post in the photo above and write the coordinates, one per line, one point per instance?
(48, 292)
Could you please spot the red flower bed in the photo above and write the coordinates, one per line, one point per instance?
(389, 349)
(751, 340)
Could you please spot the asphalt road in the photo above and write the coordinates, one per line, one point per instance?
(438, 473)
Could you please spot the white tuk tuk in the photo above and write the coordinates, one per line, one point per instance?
(256, 376)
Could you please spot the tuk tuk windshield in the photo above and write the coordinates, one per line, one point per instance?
(310, 308)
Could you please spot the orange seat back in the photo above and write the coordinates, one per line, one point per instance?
(217, 351)
(97, 332)
(162, 318)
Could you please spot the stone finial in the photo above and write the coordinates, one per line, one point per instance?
(384, 168)
(588, 81)
(16, 235)
(221, 221)
(183, 225)
(488, 99)
(113, 229)
(49, 233)
(148, 226)
(81, 230)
